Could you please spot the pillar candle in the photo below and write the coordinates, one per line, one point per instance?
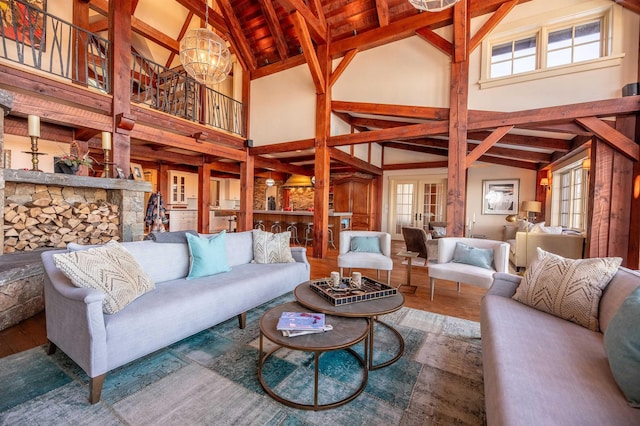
(106, 140)
(34, 125)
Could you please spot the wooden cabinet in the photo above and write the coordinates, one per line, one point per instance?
(181, 186)
(355, 195)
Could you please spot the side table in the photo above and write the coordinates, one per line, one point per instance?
(346, 333)
(409, 255)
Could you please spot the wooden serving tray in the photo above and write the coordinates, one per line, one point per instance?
(370, 290)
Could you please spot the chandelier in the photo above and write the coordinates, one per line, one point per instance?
(433, 5)
(204, 54)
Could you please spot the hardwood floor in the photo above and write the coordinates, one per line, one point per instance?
(447, 301)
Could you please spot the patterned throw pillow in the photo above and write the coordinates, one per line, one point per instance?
(567, 288)
(110, 268)
(271, 248)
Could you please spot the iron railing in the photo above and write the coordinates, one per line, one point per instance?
(39, 40)
(175, 93)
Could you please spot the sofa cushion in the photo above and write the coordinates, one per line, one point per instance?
(208, 255)
(622, 344)
(365, 245)
(271, 248)
(110, 268)
(568, 288)
(475, 256)
(439, 231)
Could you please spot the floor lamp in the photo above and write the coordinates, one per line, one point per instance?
(531, 207)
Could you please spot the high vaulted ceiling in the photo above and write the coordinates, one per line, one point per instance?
(265, 39)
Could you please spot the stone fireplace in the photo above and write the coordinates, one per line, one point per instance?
(81, 209)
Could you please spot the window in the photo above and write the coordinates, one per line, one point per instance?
(574, 44)
(553, 43)
(513, 57)
(569, 201)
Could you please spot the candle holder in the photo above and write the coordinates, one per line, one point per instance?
(34, 134)
(107, 163)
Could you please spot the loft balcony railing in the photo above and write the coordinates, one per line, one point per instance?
(36, 39)
(175, 93)
(39, 40)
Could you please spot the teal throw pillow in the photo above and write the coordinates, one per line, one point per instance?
(622, 344)
(366, 244)
(475, 256)
(208, 255)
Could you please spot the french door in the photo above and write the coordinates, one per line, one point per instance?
(416, 203)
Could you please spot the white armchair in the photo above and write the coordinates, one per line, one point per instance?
(446, 269)
(357, 257)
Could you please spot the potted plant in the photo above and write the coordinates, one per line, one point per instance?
(69, 163)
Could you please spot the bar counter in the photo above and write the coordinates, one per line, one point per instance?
(339, 220)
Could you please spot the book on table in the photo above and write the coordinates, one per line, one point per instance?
(300, 323)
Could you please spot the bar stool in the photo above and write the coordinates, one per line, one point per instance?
(231, 221)
(330, 229)
(293, 228)
(308, 233)
(275, 227)
(259, 225)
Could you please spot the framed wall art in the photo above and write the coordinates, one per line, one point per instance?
(136, 171)
(24, 24)
(500, 196)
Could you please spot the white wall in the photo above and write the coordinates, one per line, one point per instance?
(283, 107)
(22, 160)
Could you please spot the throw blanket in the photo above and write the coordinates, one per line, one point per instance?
(170, 237)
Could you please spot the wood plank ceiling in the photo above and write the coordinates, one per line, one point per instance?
(262, 34)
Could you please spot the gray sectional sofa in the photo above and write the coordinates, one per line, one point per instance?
(177, 308)
(543, 370)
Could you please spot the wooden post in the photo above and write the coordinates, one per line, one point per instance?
(204, 198)
(322, 159)
(120, 73)
(459, 92)
(245, 214)
(81, 20)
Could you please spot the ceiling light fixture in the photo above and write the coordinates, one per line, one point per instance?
(433, 5)
(204, 54)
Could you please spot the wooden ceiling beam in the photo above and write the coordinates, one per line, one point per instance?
(409, 166)
(486, 144)
(316, 30)
(141, 152)
(611, 136)
(271, 17)
(406, 111)
(215, 19)
(407, 27)
(183, 31)
(632, 5)
(316, 8)
(274, 164)
(397, 133)
(163, 137)
(283, 65)
(359, 164)
(491, 23)
(382, 10)
(342, 66)
(526, 140)
(298, 145)
(561, 114)
(308, 51)
(441, 43)
(240, 41)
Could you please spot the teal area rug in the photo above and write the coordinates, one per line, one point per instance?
(211, 378)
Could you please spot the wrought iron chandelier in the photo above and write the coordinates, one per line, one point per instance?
(204, 54)
(433, 5)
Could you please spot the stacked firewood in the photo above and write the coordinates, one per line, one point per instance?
(47, 222)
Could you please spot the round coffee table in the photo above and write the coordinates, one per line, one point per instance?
(346, 333)
(369, 309)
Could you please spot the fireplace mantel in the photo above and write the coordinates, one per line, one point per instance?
(59, 179)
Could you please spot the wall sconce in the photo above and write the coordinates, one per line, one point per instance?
(545, 182)
(106, 147)
(586, 163)
(34, 133)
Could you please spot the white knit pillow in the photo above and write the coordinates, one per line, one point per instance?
(271, 248)
(110, 268)
(567, 288)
